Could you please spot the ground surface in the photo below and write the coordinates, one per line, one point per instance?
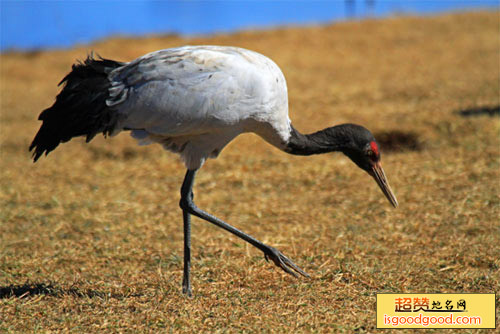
(91, 236)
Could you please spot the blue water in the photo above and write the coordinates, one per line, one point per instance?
(47, 24)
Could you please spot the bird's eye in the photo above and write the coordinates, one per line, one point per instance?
(371, 155)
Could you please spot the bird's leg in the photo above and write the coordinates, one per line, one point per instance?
(186, 283)
(187, 205)
(186, 191)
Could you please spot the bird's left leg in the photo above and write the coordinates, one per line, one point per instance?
(187, 205)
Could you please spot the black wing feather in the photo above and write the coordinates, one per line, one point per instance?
(80, 108)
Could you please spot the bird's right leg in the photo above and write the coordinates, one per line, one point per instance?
(187, 205)
(186, 282)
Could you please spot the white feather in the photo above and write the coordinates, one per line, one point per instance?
(195, 99)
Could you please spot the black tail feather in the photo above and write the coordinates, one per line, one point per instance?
(80, 108)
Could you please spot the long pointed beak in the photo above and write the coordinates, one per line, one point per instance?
(377, 172)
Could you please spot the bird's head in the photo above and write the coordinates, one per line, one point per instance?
(362, 148)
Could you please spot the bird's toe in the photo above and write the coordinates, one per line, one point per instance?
(283, 262)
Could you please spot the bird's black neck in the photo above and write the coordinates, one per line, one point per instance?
(324, 141)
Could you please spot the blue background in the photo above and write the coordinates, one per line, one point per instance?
(46, 24)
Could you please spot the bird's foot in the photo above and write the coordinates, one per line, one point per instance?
(283, 262)
(186, 287)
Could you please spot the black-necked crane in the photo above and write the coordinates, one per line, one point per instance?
(194, 100)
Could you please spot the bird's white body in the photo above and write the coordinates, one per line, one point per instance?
(195, 99)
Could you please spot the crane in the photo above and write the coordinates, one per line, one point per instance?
(193, 100)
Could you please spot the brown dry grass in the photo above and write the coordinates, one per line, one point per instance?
(91, 237)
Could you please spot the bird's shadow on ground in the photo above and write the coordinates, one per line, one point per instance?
(480, 111)
(399, 141)
(49, 289)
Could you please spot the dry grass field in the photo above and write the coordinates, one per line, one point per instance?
(91, 236)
